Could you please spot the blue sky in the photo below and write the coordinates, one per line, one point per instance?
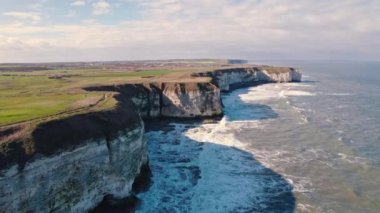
(71, 12)
(87, 30)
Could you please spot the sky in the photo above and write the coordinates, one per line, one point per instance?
(103, 30)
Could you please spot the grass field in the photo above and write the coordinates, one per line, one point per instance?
(37, 94)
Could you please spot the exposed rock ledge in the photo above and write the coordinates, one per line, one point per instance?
(69, 165)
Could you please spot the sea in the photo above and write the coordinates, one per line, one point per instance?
(312, 146)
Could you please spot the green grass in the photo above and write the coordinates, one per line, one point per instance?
(28, 85)
(22, 108)
(30, 95)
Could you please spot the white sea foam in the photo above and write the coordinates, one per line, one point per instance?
(300, 184)
(354, 159)
(221, 133)
(273, 92)
(307, 208)
(303, 118)
(298, 85)
(296, 93)
(260, 93)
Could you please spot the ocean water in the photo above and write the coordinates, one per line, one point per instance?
(293, 147)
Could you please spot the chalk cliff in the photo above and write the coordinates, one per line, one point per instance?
(227, 79)
(190, 100)
(170, 99)
(76, 180)
(69, 165)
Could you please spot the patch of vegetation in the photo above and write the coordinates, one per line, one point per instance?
(276, 70)
(22, 108)
(30, 95)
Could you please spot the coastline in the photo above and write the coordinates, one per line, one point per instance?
(167, 125)
(228, 80)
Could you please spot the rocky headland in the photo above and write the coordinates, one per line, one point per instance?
(72, 164)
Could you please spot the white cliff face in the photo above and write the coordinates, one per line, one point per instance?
(228, 79)
(191, 100)
(75, 180)
(295, 75)
(225, 80)
(291, 76)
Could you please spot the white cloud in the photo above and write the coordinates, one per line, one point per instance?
(101, 7)
(78, 3)
(207, 28)
(34, 17)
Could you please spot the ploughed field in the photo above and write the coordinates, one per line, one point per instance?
(37, 92)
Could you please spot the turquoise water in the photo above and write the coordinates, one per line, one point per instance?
(295, 147)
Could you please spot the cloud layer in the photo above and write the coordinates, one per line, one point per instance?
(78, 3)
(267, 29)
(34, 17)
(101, 7)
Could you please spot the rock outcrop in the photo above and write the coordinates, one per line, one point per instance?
(170, 100)
(71, 164)
(228, 79)
(187, 100)
(145, 97)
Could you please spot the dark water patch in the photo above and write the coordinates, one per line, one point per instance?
(143, 181)
(111, 204)
(189, 173)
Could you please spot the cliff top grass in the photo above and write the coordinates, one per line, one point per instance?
(36, 92)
